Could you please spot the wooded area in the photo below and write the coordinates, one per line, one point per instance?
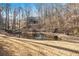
(44, 17)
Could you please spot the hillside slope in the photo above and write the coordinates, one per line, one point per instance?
(28, 47)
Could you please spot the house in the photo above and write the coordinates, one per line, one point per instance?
(33, 23)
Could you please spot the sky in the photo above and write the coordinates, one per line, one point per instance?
(23, 5)
(31, 5)
(13, 5)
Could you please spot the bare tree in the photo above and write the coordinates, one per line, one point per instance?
(1, 20)
(7, 16)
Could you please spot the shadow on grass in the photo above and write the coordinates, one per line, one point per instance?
(4, 52)
(58, 47)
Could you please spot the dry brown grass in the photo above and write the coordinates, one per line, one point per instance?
(28, 47)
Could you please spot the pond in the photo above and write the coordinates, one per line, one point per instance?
(39, 36)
